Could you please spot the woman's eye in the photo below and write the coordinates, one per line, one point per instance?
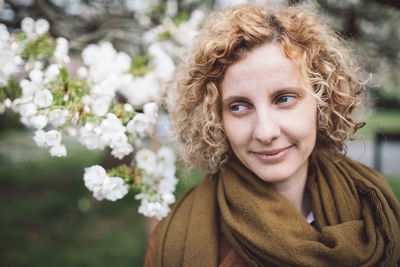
(285, 99)
(237, 108)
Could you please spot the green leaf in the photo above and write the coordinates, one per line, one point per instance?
(118, 109)
(12, 90)
(139, 65)
(123, 171)
(182, 16)
(20, 36)
(165, 35)
(39, 48)
(64, 75)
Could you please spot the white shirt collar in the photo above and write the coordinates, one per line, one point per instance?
(310, 218)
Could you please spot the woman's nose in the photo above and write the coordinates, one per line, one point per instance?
(266, 128)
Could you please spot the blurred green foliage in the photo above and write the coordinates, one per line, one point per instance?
(39, 48)
(387, 120)
(12, 91)
(395, 184)
(140, 65)
(49, 218)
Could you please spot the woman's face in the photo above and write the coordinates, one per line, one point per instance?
(268, 116)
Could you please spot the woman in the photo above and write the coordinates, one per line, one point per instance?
(264, 106)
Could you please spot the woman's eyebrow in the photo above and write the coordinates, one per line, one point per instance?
(233, 98)
(289, 89)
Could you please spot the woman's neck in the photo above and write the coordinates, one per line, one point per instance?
(294, 190)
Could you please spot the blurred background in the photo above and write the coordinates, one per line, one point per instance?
(48, 217)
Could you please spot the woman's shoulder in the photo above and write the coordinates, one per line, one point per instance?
(341, 161)
(227, 256)
(184, 200)
(176, 221)
(353, 172)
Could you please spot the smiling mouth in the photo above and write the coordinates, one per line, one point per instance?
(273, 155)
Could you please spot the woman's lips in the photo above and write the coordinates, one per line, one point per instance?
(272, 155)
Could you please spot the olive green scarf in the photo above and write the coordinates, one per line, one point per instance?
(356, 220)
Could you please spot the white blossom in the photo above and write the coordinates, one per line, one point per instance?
(147, 160)
(143, 19)
(40, 138)
(103, 186)
(90, 54)
(167, 155)
(98, 195)
(128, 107)
(90, 136)
(120, 146)
(122, 62)
(162, 180)
(28, 88)
(58, 150)
(58, 117)
(28, 26)
(139, 124)
(153, 209)
(9, 57)
(151, 112)
(27, 121)
(106, 87)
(52, 72)
(139, 6)
(41, 26)
(39, 121)
(141, 89)
(164, 65)
(82, 72)
(110, 127)
(61, 51)
(38, 64)
(94, 177)
(114, 188)
(121, 150)
(75, 118)
(166, 168)
(168, 198)
(53, 137)
(24, 107)
(4, 34)
(24, 83)
(7, 103)
(104, 61)
(167, 184)
(71, 131)
(101, 105)
(62, 44)
(43, 98)
(36, 75)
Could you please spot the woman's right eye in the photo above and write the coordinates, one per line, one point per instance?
(238, 108)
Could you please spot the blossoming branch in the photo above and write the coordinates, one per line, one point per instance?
(86, 105)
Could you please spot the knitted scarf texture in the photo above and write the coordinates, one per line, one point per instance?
(356, 220)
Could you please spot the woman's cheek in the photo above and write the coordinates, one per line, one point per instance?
(238, 129)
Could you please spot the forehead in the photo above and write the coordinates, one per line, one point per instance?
(265, 67)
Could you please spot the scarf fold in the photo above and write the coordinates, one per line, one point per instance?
(356, 220)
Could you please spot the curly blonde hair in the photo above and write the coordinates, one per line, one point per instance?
(324, 59)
